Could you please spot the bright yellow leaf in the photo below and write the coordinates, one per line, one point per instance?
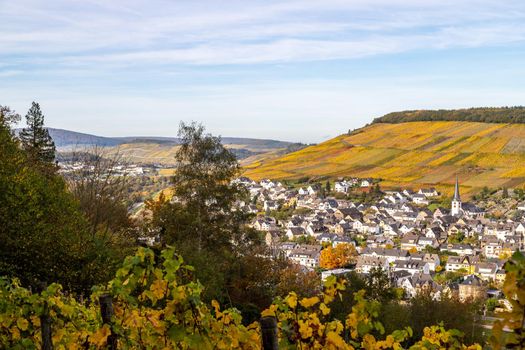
(22, 323)
(159, 288)
(100, 337)
(308, 302)
(324, 309)
(291, 300)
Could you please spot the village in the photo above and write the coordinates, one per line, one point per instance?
(459, 250)
(115, 170)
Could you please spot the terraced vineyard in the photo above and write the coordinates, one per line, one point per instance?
(412, 154)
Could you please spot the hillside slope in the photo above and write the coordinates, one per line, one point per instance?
(144, 151)
(412, 154)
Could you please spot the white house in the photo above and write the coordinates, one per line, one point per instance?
(342, 186)
(366, 182)
(420, 199)
(428, 192)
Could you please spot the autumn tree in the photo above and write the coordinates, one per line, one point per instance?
(35, 138)
(201, 220)
(101, 190)
(255, 281)
(296, 279)
(340, 256)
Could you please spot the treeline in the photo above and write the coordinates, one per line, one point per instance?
(481, 114)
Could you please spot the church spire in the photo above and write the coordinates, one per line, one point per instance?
(456, 191)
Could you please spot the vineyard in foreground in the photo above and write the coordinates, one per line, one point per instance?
(157, 305)
(412, 154)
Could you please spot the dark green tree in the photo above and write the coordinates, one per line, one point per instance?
(377, 287)
(519, 193)
(485, 193)
(43, 234)
(505, 193)
(35, 138)
(481, 114)
(327, 186)
(424, 310)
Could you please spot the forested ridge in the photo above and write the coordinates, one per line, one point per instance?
(478, 114)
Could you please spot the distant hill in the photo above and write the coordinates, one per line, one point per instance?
(479, 114)
(412, 154)
(65, 138)
(70, 138)
(153, 149)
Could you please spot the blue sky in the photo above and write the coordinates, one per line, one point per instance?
(290, 70)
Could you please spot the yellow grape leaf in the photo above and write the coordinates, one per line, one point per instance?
(369, 342)
(291, 300)
(269, 311)
(305, 330)
(58, 335)
(154, 318)
(324, 309)
(15, 333)
(217, 307)
(100, 337)
(222, 345)
(22, 323)
(336, 340)
(35, 320)
(158, 288)
(308, 302)
(227, 319)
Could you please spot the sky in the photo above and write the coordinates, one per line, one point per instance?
(291, 70)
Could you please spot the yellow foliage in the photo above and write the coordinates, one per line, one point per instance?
(340, 256)
(100, 337)
(308, 302)
(291, 300)
(182, 321)
(422, 153)
(158, 288)
(22, 324)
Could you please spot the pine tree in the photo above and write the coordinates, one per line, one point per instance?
(35, 138)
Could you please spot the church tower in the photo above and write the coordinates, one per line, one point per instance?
(456, 201)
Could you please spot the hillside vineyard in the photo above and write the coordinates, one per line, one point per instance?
(413, 154)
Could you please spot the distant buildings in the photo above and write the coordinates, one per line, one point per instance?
(398, 233)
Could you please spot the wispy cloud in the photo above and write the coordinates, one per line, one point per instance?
(201, 32)
(238, 62)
